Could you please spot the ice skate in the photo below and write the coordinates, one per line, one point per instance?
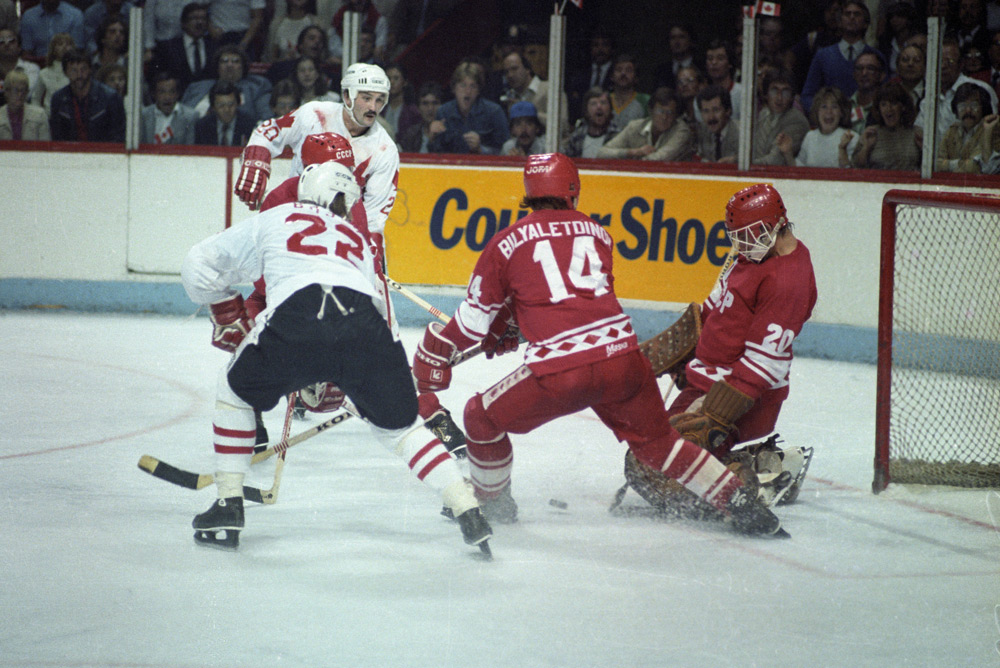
(476, 530)
(442, 426)
(750, 516)
(220, 525)
(501, 508)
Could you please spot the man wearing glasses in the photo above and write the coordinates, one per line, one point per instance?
(834, 65)
(778, 120)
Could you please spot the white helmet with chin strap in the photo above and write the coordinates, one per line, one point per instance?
(320, 184)
(363, 77)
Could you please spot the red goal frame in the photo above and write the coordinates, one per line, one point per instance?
(890, 202)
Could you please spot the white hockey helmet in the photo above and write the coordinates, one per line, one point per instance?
(321, 183)
(364, 77)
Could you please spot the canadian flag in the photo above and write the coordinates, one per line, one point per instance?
(769, 8)
(578, 3)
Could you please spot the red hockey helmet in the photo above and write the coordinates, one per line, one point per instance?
(552, 175)
(754, 216)
(327, 146)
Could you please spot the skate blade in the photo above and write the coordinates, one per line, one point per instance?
(781, 533)
(206, 538)
(485, 553)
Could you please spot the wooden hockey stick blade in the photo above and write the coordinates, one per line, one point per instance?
(165, 471)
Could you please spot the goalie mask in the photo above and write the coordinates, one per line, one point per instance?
(320, 184)
(754, 217)
(552, 175)
(327, 146)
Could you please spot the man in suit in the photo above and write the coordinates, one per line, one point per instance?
(224, 124)
(834, 65)
(718, 137)
(166, 121)
(596, 72)
(187, 56)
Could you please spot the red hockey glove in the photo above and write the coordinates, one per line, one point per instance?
(378, 250)
(253, 176)
(230, 321)
(503, 334)
(257, 301)
(322, 397)
(432, 363)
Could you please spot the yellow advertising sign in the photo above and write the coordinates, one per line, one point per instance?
(670, 240)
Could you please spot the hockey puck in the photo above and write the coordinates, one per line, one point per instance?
(556, 503)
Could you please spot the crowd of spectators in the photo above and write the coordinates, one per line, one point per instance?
(849, 92)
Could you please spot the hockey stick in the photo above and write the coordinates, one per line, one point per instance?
(271, 496)
(418, 300)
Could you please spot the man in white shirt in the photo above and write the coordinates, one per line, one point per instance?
(951, 78)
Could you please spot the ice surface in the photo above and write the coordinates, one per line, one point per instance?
(353, 566)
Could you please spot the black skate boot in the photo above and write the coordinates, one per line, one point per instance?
(260, 444)
(220, 525)
(750, 516)
(299, 410)
(476, 530)
(442, 426)
(501, 509)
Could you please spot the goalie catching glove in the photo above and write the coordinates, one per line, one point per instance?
(230, 323)
(253, 176)
(671, 350)
(322, 397)
(432, 362)
(503, 335)
(711, 423)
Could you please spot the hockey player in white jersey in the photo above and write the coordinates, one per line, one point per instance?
(365, 89)
(320, 324)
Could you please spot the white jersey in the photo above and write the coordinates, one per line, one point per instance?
(292, 246)
(375, 154)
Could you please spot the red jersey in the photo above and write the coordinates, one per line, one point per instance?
(750, 321)
(554, 268)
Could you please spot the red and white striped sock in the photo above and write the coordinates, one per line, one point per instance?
(701, 473)
(490, 465)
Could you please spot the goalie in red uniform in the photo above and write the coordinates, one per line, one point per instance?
(737, 381)
(549, 277)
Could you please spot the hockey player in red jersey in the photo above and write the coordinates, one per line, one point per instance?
(321, 323)
(549, 276)
(739, 376)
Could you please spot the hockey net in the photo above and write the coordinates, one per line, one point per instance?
(938, 396)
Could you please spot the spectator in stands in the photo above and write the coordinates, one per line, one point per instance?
(718, 136)
(595, 72)
(186, 57)
(469, 123)
(595, 128)
(86, 110)
(527, 136)
(832, 141)
(950, 79)
(720, 66)
(627, 103)
(41, 22)
(776, 118)
(114, 76)
(370, 18)
(869, 74)
(284, 98)
(230, 64)
(161, 21)
(112, 42)
(834, 65)
(994, 61)
(824, 34)
(523, 85)
(902, 21)
(969, 19)
(892, 142)
(18, 120)
(910, 68)
(972, 136)
(690, 81)
(284, 31)
(312, 43)
(659, 137)
(975, 64)
(366, 48)
(95, 14)
(409, 19)
(417, 138)
(681, 45)
(237, 22)
(10, 59)
(8, 16)
(167, 121)
(311, 84)
(400, 112)
(51, 77)
(226, 124)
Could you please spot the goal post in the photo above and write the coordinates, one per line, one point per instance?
(937, 406)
